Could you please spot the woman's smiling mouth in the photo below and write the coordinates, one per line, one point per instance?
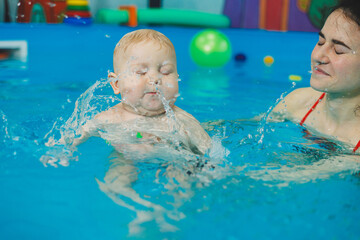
(319, 71)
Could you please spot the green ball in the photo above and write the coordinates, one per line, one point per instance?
(210, 48)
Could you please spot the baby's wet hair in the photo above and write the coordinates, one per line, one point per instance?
(142, 35)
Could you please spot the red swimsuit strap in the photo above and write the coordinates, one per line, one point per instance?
(356, 147)
(312, 109)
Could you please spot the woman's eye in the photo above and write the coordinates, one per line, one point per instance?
(320, 43)
(338, 53)
(340, 50)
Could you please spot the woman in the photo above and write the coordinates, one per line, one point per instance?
(331, 106)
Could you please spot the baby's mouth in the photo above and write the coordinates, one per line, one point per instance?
(152, 93)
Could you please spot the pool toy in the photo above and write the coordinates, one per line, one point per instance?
(240, 57)
(132, 15)
(40, 10)
(293, 77)
(163, 17)
(77, 12)
(268, 60)
(210, 48)
(37, 14)
(77, 2)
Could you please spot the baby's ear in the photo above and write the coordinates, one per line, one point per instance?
(114, 82)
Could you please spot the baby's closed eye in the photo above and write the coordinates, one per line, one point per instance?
(166, 70)
(141, 71)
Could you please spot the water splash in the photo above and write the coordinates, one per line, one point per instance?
(315, 66)
(169, 174)
(4, 130)
(282, 175)
(63, 133)
(262, 129)
(179, 172)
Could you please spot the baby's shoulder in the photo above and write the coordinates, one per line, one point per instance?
(112, 115)
(105, 116)
(182, 114)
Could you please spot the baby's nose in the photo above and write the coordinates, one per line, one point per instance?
(155, 80)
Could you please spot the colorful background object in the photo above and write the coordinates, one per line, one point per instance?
(274, 15)
(77, 12)
(49, 11)
(278, 15)
(268, 61)
(210, 48)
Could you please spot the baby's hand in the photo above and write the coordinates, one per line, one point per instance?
(59, 155)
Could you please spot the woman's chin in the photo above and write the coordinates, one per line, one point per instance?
(318, 85)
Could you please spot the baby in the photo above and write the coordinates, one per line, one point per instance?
(145, 75)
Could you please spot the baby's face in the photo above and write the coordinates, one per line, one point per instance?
(148, 77)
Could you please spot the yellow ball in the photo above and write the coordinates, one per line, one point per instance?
(268, 60)
(295, 78)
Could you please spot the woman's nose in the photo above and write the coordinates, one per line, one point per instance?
(321, 54)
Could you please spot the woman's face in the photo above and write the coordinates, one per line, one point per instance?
(335, 60)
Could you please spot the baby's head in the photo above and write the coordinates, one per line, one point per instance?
(145, 72)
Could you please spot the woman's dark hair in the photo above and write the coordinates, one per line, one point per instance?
(351, 9)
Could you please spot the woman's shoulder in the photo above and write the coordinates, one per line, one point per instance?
(303, 92)
(296, 103)
(301, 98)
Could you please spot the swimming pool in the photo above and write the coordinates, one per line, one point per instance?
(270, 181)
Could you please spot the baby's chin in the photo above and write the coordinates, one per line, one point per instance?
(149, 105)
(155, 104)
(154, 110)
(145, 110)
(149, 112)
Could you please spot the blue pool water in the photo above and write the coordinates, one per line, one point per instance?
(260, 181)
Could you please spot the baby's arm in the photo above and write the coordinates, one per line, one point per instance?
(90, 129)
(199, 140)
(83, 138)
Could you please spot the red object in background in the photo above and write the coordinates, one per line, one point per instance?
(4, 54)
(52, 9)
(274, 14)
(80, 14)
